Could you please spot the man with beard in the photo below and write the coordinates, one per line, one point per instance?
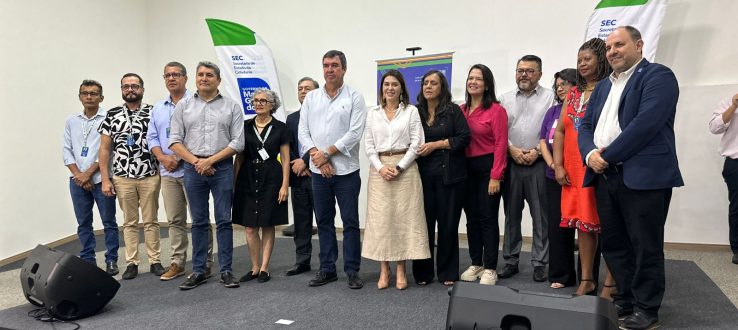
(525, 176)
(135, 176)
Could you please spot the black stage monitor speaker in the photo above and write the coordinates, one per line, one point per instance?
(68, 287)
(477, 306)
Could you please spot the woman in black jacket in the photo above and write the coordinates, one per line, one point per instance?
(442, 165)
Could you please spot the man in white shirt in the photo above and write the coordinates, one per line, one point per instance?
(720, 123)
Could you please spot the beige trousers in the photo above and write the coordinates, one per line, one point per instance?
(132, 194)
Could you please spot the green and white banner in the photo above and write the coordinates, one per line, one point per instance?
(246, 64)
(644, 15)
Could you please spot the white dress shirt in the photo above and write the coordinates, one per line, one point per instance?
(81, 132)
(729, 141)
(404, 131)
(525, 115)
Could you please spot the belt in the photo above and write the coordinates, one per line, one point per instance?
(393, 152)
(198, 156)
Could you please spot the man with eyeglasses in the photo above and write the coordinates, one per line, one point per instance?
(331, 124)
(81, 146)
(206, 131)
(525, 176)
(135, 179)
(171, 170)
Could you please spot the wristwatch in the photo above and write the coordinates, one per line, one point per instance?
(399, 169)
(326, 154)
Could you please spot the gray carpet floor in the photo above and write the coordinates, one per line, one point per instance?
(692, 300)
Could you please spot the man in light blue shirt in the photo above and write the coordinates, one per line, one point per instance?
(81, 145)
(171, 170)
(332, 122)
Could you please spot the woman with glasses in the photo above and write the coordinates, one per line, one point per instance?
(395, 224)
(262, 172)
(486, 159)
(442, 165)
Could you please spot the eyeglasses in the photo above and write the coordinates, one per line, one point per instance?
(93, 94)
(528, 71)
(131, 87)
(261, 101)
(174, 75)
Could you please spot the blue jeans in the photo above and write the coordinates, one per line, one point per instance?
(198, 189)
(343, 189)
(83, 200)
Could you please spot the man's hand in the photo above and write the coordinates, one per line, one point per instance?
(493, 187)
(597, 163)
(327, 170)
(735, 100)
(318, 158)
(82, 178)
(388, 174)
(298, 167)
(203, 166)
(88, 186)
(169, 162)
(516, 154)
(107, 188)
(530, 156)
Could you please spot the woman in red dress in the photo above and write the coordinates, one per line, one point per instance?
(578, 208)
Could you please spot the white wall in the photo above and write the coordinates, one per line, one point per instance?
(49, 47)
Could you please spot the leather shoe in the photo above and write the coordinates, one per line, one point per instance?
(508, 271)
(640, 321)
(157, 269)
(111, 268)
(228, 280)
(735, 258)
(355, 282)
(131, 272)
(263, 277)
(323, 278)
(193, 281)
(289, 231)
(623, 312)
(298, 269)
(248, 277)
(539, 273)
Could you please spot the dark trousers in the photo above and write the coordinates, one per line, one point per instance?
(632, 240)
(302, 212)
(560, 240)
(482, 213)
(343, 189)
(730, 174)
(443, 207)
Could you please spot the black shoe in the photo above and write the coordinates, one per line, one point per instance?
(157, 269)
(623, 312)
(112, 268)
(131, 272)
(315, 230)
(354, 281)
(298, 269)
(228, 280)
(508, 271)
(323, 278)
(193, 281)
(640, 321)
(248, 277)
(539, 273)
(263, 277)
(735, 258)
(289, 231)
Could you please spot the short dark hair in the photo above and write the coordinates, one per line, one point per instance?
(531, 58)
(404, 97)
(90, 82)
(634, 33)
(488, 96)
(132, 75)
(597, 46)
(568, 75)
(333, 53)
(209, 65)
(315, 83)
(177, 65)
(443, 98)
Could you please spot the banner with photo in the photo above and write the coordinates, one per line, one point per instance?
(246, 64)
(645, 15)
(413, 68)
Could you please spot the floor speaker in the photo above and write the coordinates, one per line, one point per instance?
(68, 287)
(477, 306)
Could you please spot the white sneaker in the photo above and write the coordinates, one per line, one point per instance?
(472, 273)
(489, 277)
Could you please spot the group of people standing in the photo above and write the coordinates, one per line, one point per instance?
(600, 162)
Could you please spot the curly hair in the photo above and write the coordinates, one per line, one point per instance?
(597, 46)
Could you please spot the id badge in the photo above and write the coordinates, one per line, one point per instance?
(129, 141)
(84, 151)
(263, 153)
(168, 132)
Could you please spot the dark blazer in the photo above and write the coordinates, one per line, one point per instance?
(646, 147)
(293, 121)
(458, 134)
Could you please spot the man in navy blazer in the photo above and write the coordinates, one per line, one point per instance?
(627, 141)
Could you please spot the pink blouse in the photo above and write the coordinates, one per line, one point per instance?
(488, 136)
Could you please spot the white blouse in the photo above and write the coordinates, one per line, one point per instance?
(404, 131)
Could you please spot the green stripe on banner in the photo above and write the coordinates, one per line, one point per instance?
(620, 3)
(225, 33)
(413, 64)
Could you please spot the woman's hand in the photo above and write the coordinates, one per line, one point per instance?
(426, 148)
(388, 174)
(561, 176)
(283, 193)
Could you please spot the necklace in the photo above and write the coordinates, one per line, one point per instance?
(256, 122)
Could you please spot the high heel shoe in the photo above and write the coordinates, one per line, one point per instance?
(591, 292)
(401, 282)
(383, 283)
(607, 291)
